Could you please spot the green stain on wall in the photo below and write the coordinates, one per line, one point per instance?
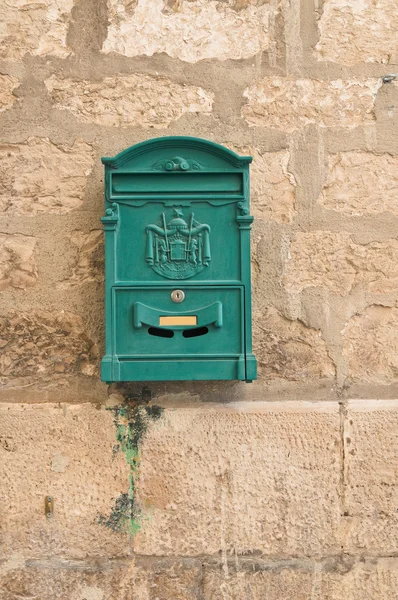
(131, 421)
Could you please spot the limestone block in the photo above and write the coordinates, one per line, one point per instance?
(288, 349)
(43, 346)
(371, 345)
(256, 583)
(125, 100)
(7, 86)
(89, 262)
(91, 479)
(165, 579)
(17, 261)
(333, 261)
(240, 478)
(361, 183)
(371, 450)
(191, 30)
(299, 580)
(356, 32)
(35, 27)
(287, 104)
(38, 176)
(272, 185)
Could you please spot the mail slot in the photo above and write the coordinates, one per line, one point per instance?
(177, 263)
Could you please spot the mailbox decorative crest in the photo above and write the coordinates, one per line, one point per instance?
(177, 263)
(178, 250)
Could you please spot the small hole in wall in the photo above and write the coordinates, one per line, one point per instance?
(165, 333)
(188, 333)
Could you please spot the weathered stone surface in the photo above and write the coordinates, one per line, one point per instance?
(89, 264)
(35, 27)
(333, 580)
(150, 102)
(272, 185)
(248, 580)
(90, 483)
(166, 579)
(17, 261)
(371, 441)
(7, 86)
(239, 478)
(288, 349)
(62, 580)
(287, 104)
(191, 30)
(371, 345)
(361, 183)
(355, 32)
(333, 261)
(39, 176)
(44, 346)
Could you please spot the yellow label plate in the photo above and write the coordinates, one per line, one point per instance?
(170, 321)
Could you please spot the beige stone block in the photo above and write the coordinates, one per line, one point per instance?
(342, 579)
(89, 260)
(361, 183)
(371, 345)
(38, 176)
(288, 349)
(333, 261)
(38, 28)
(40, 346)
(125, 100)
(352, 32)
(68, 452)
(248, 580)
(288, 105)
(7, 86)
(17, 261)
(371, 475)
(191, 30)
(241, 478)
(166, 579)
(272, 185)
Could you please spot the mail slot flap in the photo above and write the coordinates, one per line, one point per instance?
(140, 184)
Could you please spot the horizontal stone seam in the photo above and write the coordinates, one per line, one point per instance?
(328, 563)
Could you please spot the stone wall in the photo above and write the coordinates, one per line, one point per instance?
(285, 489)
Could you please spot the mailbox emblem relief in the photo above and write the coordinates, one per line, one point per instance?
(178, 249)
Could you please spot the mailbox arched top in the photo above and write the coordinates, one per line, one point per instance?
(179, 157)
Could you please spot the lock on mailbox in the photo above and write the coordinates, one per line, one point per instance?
(177, 271)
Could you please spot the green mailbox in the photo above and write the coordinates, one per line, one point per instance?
(177, 263)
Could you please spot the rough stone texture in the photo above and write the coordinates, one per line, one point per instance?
(30, 438)
(361, 183)
(272, 185)
(89, 263)
(257, 584)
(371, 345)
(287, 104)
(44, 346)
(358, 31)
(190, 30)
(288, 349)
(7, 86)
(166, 579)
(39, 176)
(120, 101)
(371, 438)
(35, 27)
(17, 261)
(367, 580)
(240, 478)
(333, 261)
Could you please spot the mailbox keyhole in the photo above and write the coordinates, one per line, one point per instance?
(165, 333)
(188, 333)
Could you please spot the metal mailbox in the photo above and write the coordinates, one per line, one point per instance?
(177, 263)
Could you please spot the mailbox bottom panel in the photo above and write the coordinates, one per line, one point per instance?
(194, 369)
